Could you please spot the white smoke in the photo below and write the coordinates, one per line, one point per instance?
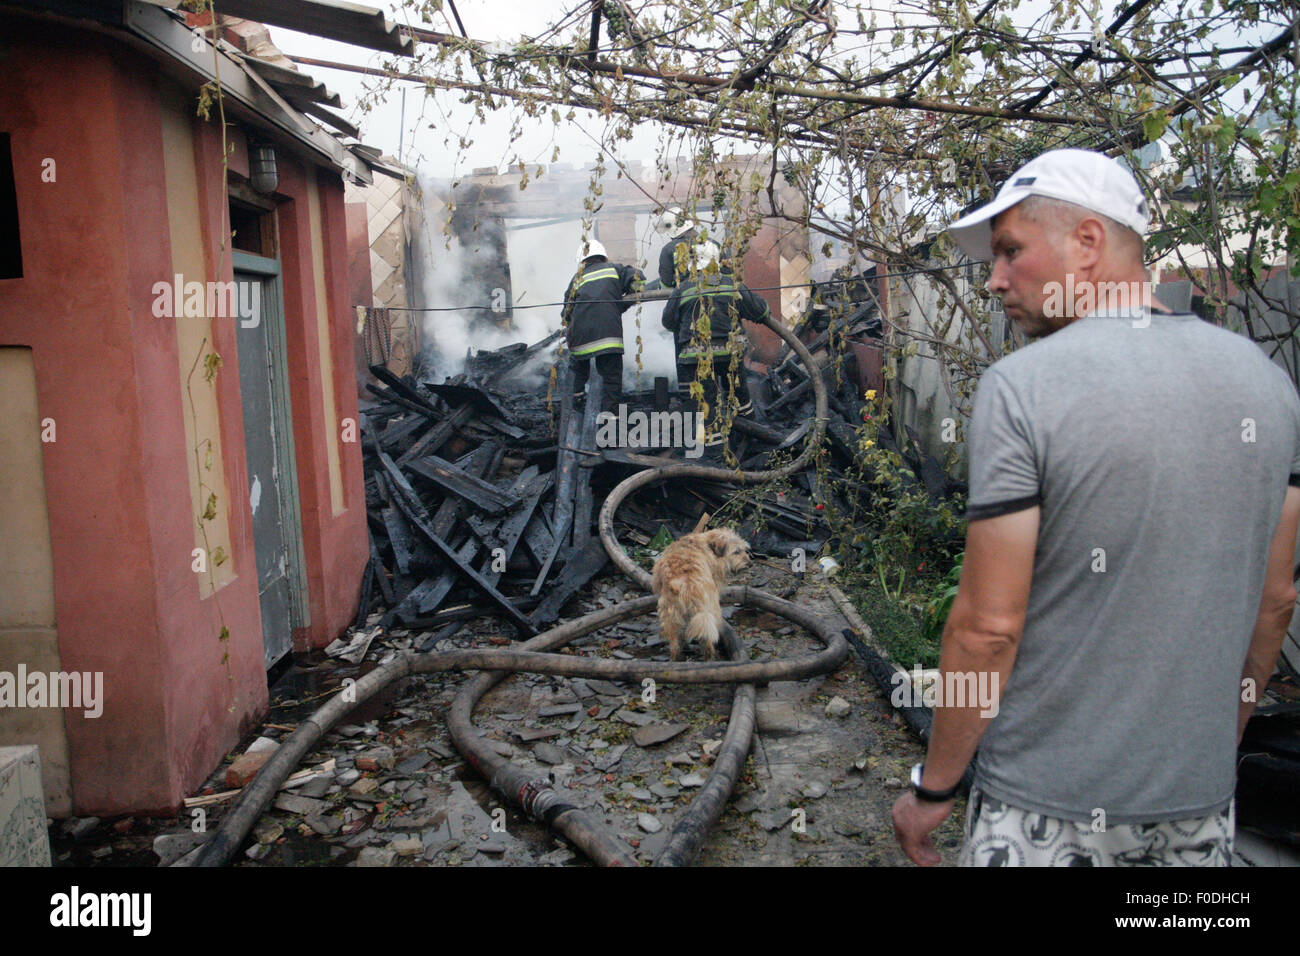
(542, 260)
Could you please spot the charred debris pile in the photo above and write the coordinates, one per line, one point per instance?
(483, 491)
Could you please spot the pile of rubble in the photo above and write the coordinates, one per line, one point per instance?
(482, 490)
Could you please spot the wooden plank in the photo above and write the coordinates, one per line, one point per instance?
(750, 427)
(582, 503)
(538, 538)
(367, 587)
(381, 576)
(506, 534)
(496, 424)
(797, 392)
(406, 392)
(408, 609)
(459, 394)
(441, 586)
(476, 491)
(510, 531)
(557, 544)
(498, 599)
(399, 538)
(461, 612)
(428, 595)
(565, 464)
(438, 435)
(398, 430)
(581, 567)
(388, 395)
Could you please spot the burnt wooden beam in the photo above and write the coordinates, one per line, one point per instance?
(505, 428)
(844, 439)
(406, 392)
(450, 620)
(476, 491)
(367, 587)
(582, 565)
(557, 545)
(399, 538)
(506, 534)
(762, 432)
(432, 591)
(442, 634)
(419, 408)
(438, 435)
(397, 432)
(455, 393)
(408, 609)
(499, 600)
(538, 538)
(380, 576)
(582, 503)
(565, 467)
(797, 392)
(441, 586)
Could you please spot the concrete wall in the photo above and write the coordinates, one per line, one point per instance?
(319, 317)
(928, 399)
(27, 623)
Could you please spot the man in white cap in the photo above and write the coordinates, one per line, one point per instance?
(1127, 582)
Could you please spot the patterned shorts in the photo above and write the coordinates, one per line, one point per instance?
(998, 834)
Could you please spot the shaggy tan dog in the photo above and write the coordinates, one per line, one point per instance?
(687, 578)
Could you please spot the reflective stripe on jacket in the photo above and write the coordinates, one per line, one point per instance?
(721, 299)
(593, 310)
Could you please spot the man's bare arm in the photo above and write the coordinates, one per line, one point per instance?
(983, 633)
(1275, 608)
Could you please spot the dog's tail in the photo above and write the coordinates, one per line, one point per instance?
(703, 628)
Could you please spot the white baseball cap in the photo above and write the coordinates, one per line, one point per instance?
(1091, 180)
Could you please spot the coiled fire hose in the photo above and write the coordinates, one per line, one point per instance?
(536, 796)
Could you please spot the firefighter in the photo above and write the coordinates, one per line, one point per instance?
(704, 313)
(593, 316)
(681, 232)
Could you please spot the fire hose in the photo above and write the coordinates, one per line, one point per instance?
(535, 796)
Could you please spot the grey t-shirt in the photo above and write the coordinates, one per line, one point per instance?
(1160, 453)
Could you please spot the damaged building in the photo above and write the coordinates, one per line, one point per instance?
(181, 492)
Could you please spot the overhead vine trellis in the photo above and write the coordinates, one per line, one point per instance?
(890, 118)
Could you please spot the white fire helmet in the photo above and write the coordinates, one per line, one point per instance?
(707, 254)
(589, 248)
(673, 222)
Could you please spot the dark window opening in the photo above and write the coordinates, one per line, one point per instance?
(11, 250)
(246, 223)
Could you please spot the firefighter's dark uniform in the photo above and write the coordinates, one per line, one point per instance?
(669, 272)
(724, 302)
(593, 316)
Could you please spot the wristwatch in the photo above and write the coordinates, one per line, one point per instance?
(931, 796)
